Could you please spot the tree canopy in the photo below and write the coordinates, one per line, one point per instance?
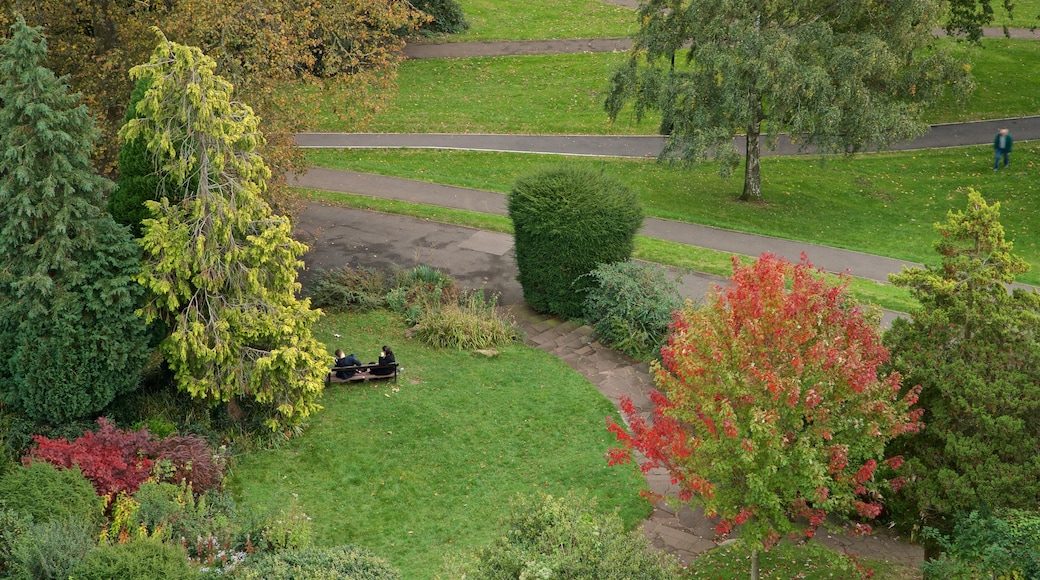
(836, 76)
(350, 47)
(770, 407)
(975, 349)
(220, 266)
(69, 339)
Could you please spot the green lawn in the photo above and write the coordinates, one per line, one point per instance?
(564, 94)
(416, 473)
(541, 19)
(881, 204)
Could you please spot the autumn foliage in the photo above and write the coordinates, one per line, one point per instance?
(770, 412)
(120, 461)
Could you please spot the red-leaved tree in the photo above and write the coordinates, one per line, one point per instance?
(771, 413)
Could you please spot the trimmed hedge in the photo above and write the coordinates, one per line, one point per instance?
(566, 221)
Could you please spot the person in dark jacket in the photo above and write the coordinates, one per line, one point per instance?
(1002, 144)
(346, 361)
(386, 357)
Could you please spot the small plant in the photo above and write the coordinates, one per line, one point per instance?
(631, 304)
(12, 526)
(344, 562)
(348, 289)
(419, 291)
(190, 460)
(471, 324)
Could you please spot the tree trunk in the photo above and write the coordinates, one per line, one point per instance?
(752, 175)
(754, 565)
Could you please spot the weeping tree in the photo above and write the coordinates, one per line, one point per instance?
(837, 76)
(69, 339)
(220, 265)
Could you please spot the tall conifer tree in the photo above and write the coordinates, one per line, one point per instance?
(69, 339)
(220, 264)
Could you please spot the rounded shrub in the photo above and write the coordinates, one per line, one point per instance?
(46, 493)
(566, 221)
(340, 562)
(138, 559)
(50, 550)
(630, 305)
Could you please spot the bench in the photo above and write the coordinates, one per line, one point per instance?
(363, 373)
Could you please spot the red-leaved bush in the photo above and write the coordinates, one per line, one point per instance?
(120, 461)
(771, 411)
(112, 459)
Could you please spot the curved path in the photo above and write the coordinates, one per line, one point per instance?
(341, 235)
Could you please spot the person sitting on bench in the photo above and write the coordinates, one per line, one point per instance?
(346, 361)
(386, 358)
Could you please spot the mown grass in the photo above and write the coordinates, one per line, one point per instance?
(564, 94)
(883, 204)
(542, 19)
(428, 469)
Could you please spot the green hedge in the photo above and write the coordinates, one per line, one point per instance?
(567, 221)
(139, 559)
(340, 562)
(45, 493)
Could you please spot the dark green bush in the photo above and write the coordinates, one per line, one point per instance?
(631, 304)
(1005, 544)
(472, 323)
(340, 562)
(348, 290)
(50, 550)
(566, 538)
(447, 16)
(46, 493)
(566, 222)
(138, 559)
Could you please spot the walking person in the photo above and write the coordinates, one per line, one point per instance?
(1002, 144)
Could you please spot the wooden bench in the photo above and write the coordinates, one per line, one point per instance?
(362, 373)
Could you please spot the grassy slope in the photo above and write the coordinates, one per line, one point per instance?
(419, 473)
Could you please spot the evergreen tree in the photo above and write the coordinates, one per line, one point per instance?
(69, 339)
(975, 349)
(220, 265)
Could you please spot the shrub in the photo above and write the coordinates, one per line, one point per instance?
(419, 291)
(138, 559)
(44, 493)
(566, 538)
(473, 323)
(631, 304)
(189, 459)
(348, 290)
(113, 460)
(447, 16)
(340, 562)
(1005, 544)
(12, 526)
(205, 525)
(566, 222)
(50, 550)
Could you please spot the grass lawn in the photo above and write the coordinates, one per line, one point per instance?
(881, 204)
(541, 19)
(417, 473)
(811, 561)
(564, 94)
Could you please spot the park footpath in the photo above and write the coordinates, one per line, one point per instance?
(341, 236)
